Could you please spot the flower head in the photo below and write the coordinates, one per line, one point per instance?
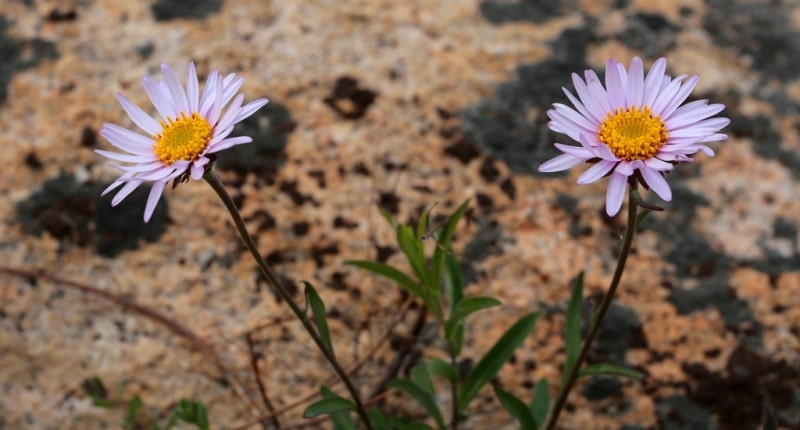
(633, 129)
(180, 143)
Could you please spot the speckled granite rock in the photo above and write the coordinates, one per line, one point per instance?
(404, 104)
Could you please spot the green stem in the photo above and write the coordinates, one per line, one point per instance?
(454, 386)
(587, 343)
(213, 180)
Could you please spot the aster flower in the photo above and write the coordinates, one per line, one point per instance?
(634, 129)
(181, 143)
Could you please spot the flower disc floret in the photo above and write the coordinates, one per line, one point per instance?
(182, 139)
(633, 133)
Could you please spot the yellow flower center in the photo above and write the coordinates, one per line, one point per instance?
(633, 133)
(185, 138)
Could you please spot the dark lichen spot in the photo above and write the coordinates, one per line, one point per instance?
(679, 413)
(485, 202)
(499, 12)
(62, 14)
(75, 213)
(145, 50)
(165, 10)
(512, 124)
(319, 175)
(488, 171)
(361, 169)
(602, 387)
(348, 99)
(318, 253)
(651, 34)
(340, 222)
(88, 137)
(463, 150)
(384, 252)
(265, 220)
(301, 228)
(389, 201)
(270, 128)
(19, 55)
(290, 189)
(33, 162)
(508, 188)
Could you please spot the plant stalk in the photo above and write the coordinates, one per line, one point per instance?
(587, 343)
(211, 177)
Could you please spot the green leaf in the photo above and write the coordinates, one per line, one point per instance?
(328, 405)
(341, 420)
(540, 402)
(454, 288)
(425, 399)
(398, 277)
(517, 408)
(572, 329)
(193, 413)
(499, 354)
(415, 253)
(318, 307)
(422, 223)
(445, 239)
(463, 309)
(421, 377)
(134, 406)
(442, 369)
(377, 420)
(609, 369)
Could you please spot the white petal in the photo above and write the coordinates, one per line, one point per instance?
(127, 140)
(250, 109)
(652, 84)
(617, 186)
(635, 82)
(175, 89)
(192, 88)
(138, 116)
(127, 158)
(655, 180)
(562, 162)
(596, 172)
(152, 199)
(162, 104)
(125, 191)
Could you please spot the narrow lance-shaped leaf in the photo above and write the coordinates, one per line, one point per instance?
(318, 307)
(400, 278)
(421, 377)
(442, 369)
(540, 402)
(341, 420)
(425, 399)
(464, 308)
(454, 289)
(609, 369)
(517, 408)
(444, 240)
(572, 329)
(414, 252)
(328, 405)
(490, 364)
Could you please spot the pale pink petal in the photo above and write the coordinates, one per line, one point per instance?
(655, 180)
(616, 93)
(577, 151)
(199, 168)
(125, 191)
(227, 143)
(139, 117)
(152, 199)
(596, 172)
(209, 93)
(127, 158)
(176, 91)
(192, 88)
(652, 84)
(635, 83)
(227, 119)
(158, 98)
(592, 105)
(250, 109)
(617, 185)
(127, 140)
(657, 164)
(562, 162)
(680, 96)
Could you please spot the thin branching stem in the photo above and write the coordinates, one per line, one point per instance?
(561, 401)
(213, 180)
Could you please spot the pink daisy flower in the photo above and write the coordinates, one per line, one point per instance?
(634, 129)
(180, 143)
